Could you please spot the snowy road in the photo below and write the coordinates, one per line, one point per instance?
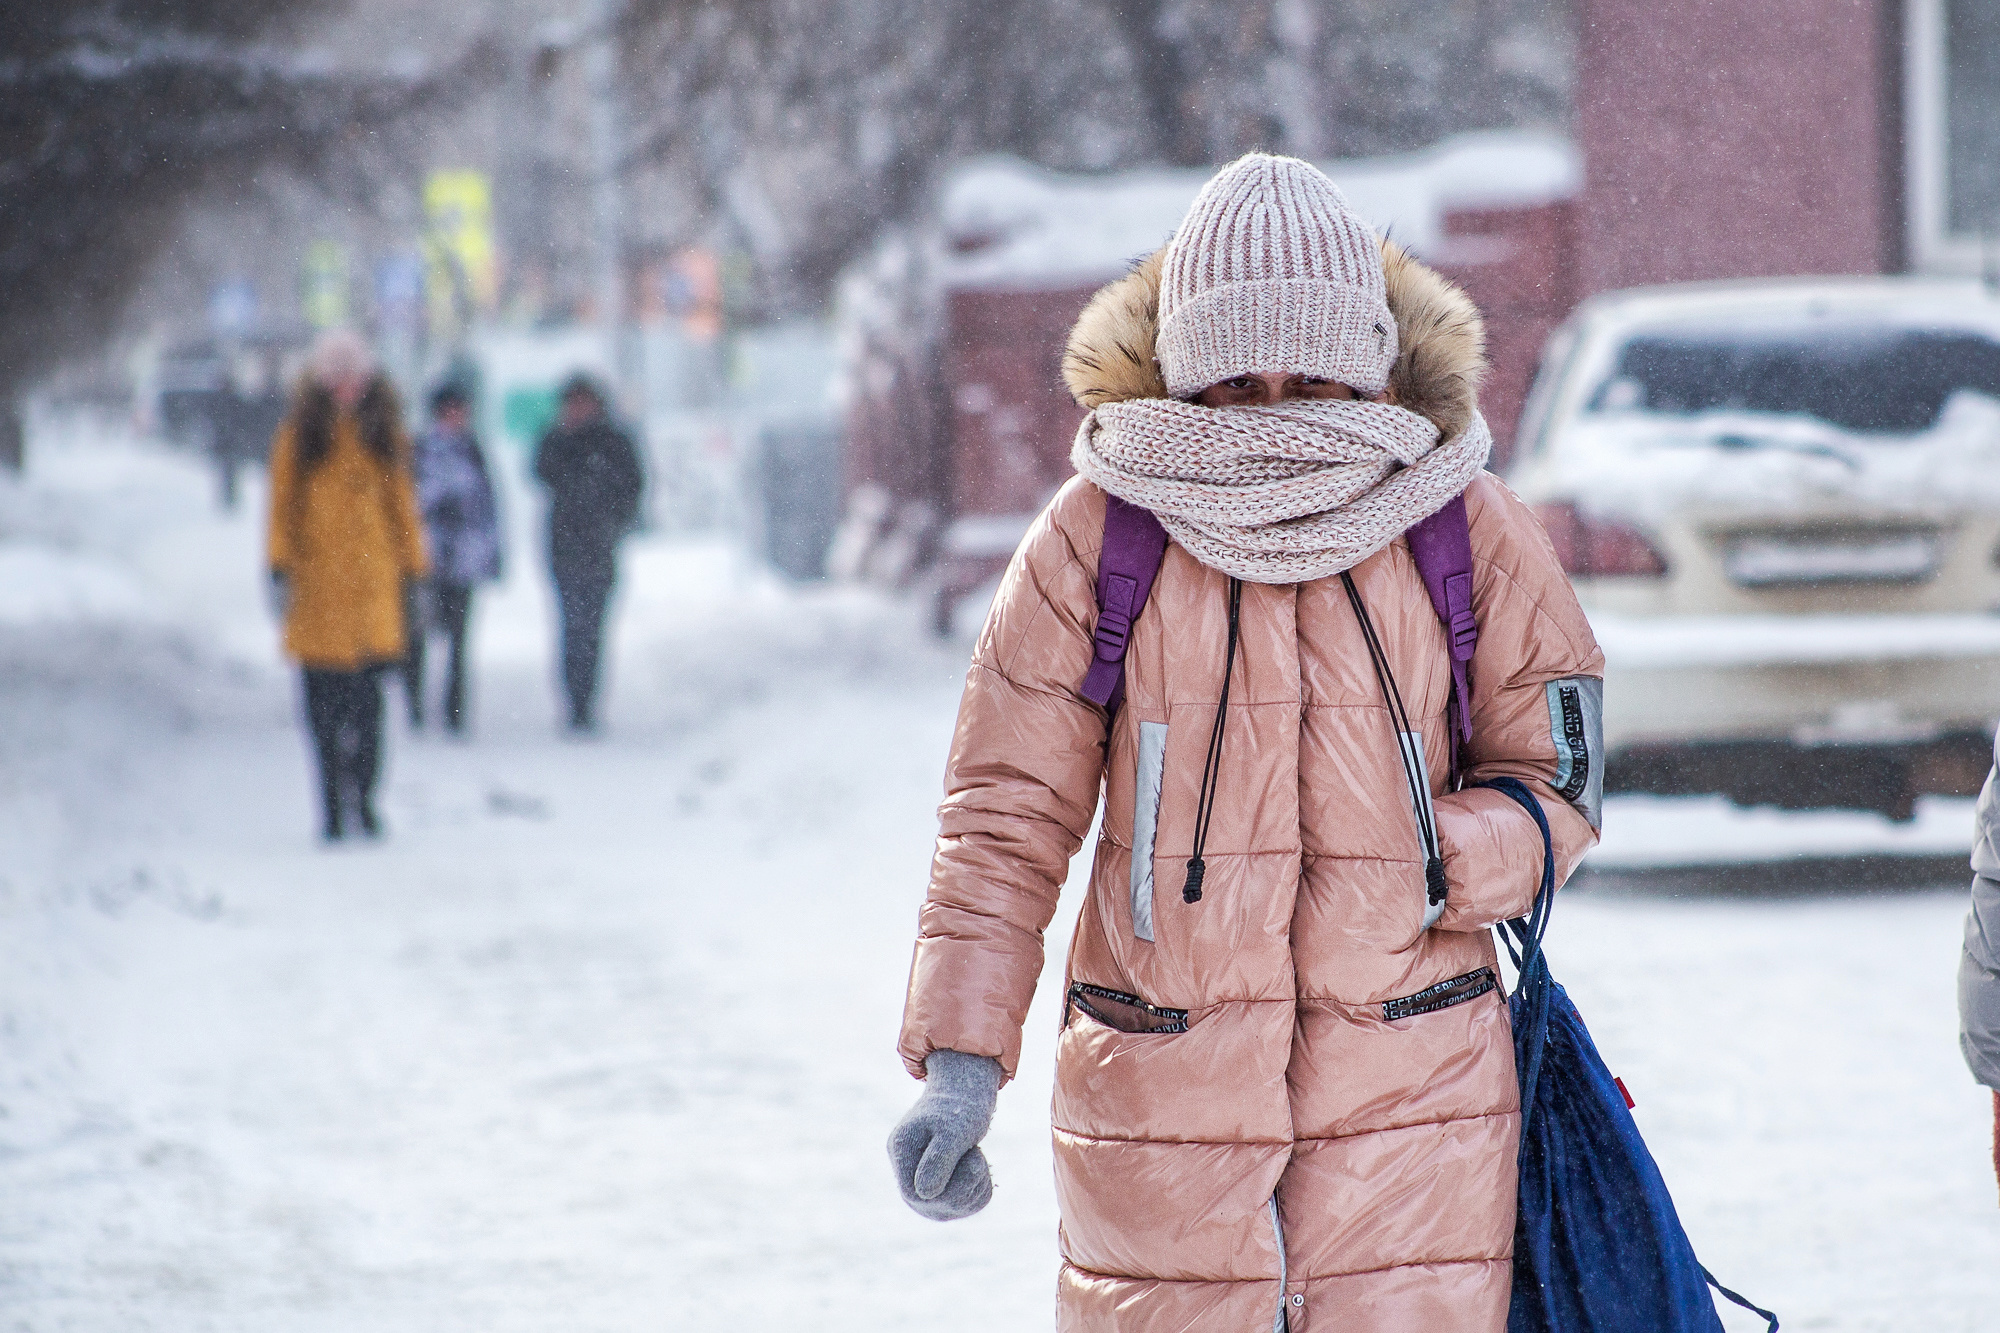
(601, 1037)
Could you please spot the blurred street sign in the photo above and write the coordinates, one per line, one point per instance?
(323, 284)
(527, 411)
(232, 308)
(691, 291)
(399, 292)
(738, 280)
(462, 280)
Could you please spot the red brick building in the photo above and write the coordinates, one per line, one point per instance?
(1728, 139)
(1731, 138)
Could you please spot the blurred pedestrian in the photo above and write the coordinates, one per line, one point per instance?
(345, 542)
(594, 478)
(462, 531)
(1285, 1089)
(242, 417)
(1979, 965)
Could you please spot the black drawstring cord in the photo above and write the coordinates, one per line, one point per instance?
(1211, 768)
(1435, 887)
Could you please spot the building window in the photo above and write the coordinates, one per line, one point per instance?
(1972, 116)
(1953, 135)
(1952, 86)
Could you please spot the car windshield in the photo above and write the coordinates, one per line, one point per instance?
(1867, 379)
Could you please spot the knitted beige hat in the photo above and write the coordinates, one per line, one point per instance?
(1271, 270)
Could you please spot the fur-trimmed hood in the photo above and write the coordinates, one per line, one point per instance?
(1437, 372)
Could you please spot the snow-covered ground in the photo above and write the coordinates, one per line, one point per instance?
(1663, 832)
(601, 1037)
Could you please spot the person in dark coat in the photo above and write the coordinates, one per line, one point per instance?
(594, 478)
(462, 527)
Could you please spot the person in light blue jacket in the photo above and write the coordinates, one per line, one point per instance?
(462, 531)
(1979, 966)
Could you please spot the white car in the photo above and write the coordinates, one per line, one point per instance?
(1780, 505)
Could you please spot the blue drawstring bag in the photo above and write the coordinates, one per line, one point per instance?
(1598, 1247)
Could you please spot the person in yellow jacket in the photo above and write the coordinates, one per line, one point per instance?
(346, 542)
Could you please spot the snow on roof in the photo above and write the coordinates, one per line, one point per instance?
(1795, 303)
(1011, 224)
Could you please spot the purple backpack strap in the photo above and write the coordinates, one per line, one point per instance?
(1134, 545)
(1442, 545)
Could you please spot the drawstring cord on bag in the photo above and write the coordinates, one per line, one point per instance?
(1406, 736)
(1211, 768)
(1530, 1003)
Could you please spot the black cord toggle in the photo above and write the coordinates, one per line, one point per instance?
(1211, 768)
(1435, 888)
(1434, 879)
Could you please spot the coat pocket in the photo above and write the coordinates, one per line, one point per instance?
(1122, 1012)
(1443, 995)
(1152, 770)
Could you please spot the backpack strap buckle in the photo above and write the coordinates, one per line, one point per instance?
(1134, 546)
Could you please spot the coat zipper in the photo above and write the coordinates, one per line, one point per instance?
(1283, 1320)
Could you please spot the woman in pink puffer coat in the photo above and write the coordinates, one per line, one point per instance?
(1285, 1092)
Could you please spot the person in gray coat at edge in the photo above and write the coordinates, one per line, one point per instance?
(1979, 968)
(462, 530)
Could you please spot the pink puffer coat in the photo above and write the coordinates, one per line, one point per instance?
(1287, 1095)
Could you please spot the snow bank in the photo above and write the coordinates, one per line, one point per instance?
(1655, 832)
(40, 585)
(108, 531)
(1008, 223)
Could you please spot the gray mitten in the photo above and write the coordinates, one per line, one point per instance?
(935, 1148)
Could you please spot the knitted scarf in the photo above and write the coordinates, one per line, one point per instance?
(1283, 494)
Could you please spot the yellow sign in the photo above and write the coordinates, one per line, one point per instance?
(461, 280)
(323, 285)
